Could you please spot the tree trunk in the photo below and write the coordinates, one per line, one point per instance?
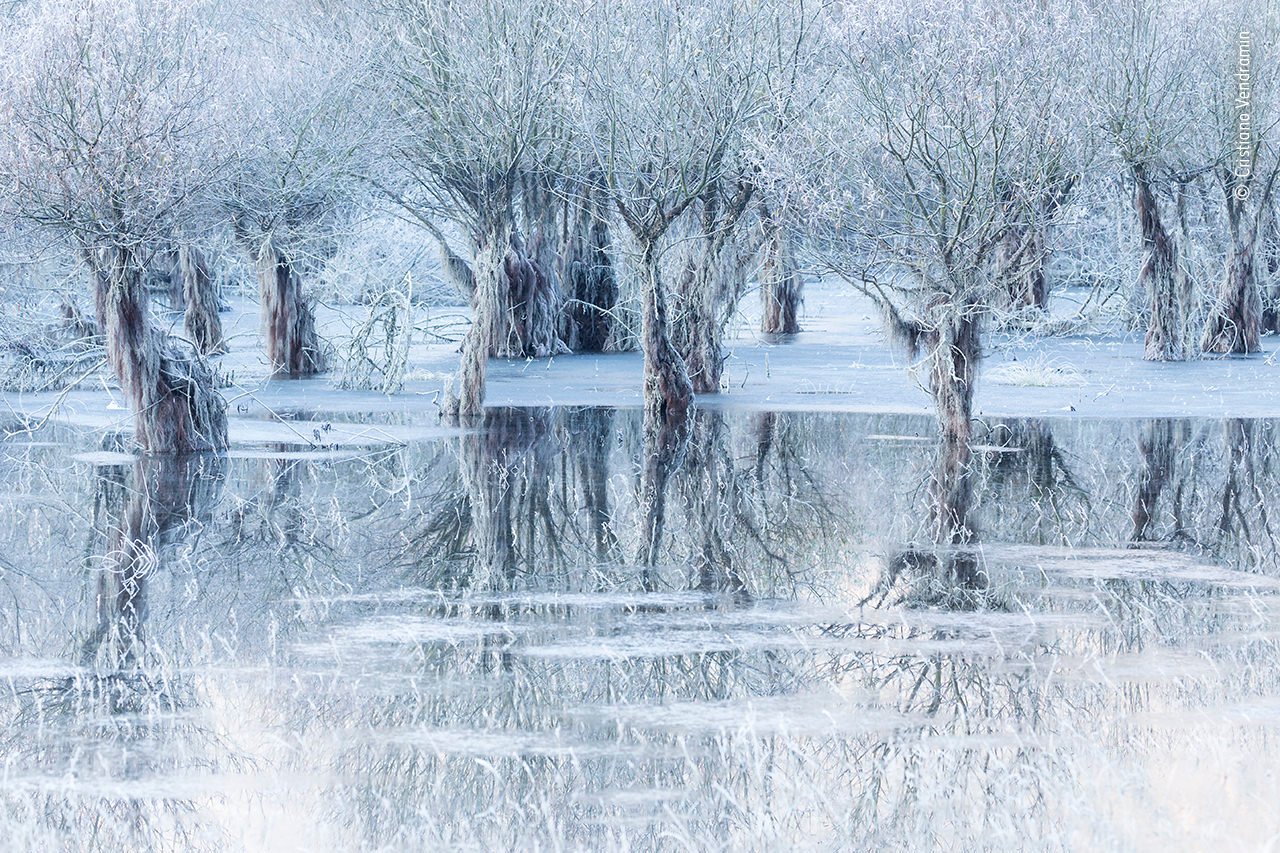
(465, 395)
(668, 392)
(1020, 260)
(1269, 289)
(293, 347)
(589, 282)
(1161, 278)
(202, 322)
(535, 295)
(955, 348)
(780, 282)
(1235, 322)
(171, 392)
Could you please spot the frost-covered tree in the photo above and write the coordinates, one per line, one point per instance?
(935, 141)
(667, 90)
(300, 135)
(475, 87)
(105, 136)
(1146, 95)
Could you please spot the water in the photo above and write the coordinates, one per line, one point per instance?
(455, 643)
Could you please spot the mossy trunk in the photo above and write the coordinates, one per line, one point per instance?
(1235, 321)
(170, 390)
(1161, 278)
(289, 323)
(955, 348)
(202, 322)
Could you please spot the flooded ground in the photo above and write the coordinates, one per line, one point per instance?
(457, 642)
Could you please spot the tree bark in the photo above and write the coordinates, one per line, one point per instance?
(171, 392)
(293, 347)
(780, 282)
(202, 322)
(1235, 322)
(668, 391)
(1020, 260)
(1161, 277)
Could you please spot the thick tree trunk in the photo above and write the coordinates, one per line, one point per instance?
(590, 283)
(955, 348)
(202, 321)
(171, 392)
(535, 296)
(1235, 322)
(465, 394)
(1161, 278)
(668, 391)
(293, 347)
(780, 283)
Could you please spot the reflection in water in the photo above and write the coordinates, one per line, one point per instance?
(765, 630)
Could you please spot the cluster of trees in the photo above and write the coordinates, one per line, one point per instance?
(562, 152)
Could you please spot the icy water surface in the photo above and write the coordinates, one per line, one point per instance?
(455, 643)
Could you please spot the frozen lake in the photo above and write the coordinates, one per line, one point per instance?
(446, 639)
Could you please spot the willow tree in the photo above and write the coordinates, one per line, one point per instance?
(667, 90)
(934, 113)
(301, 136)
(106, 136)
(1146, 88)
(474, 87)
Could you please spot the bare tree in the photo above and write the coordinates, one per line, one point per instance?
(106, 139)
(929, 134)
(1146, 86)
(475, 88)
(666, 92)
(301, 134)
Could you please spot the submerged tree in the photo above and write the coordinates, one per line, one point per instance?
(302, 137)
(1147, 82)
(474, 89)
(667, 92)
(108, 136)
(944, 150)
